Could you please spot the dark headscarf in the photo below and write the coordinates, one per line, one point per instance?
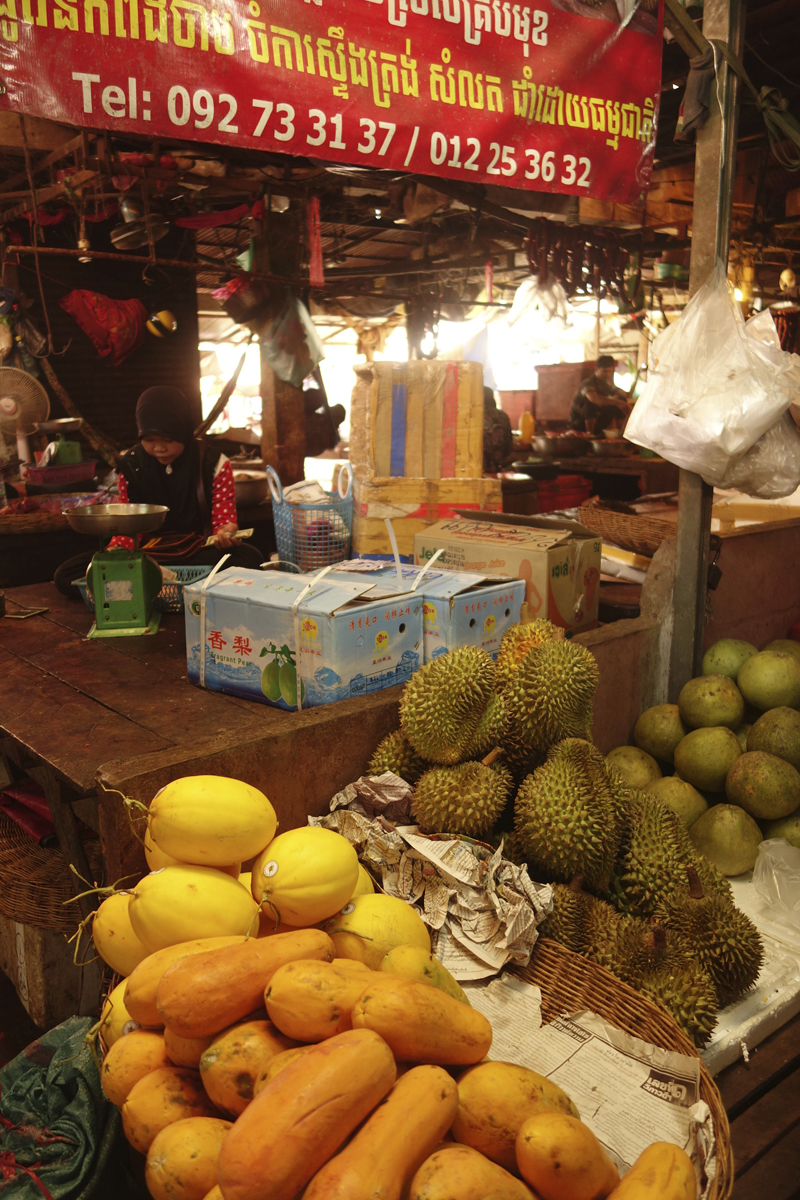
(165, 412)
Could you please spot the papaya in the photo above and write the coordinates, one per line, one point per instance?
(185, 1052)
(415, 962)
(303, 1116)
(493, 1100)
(211, 820)
(275, 1066)
(115, 1020)
(182, 1161)
(312, 1000)
(129, 1060)
(204, 994)
(393, 1143)
(233, 1062)
(142, 983)
(661, 1172)
(164, 1096)
(460, 1171)
(215, 1194)
(562, 1159)
(422, 1023)
(182, 902)
(113, 936)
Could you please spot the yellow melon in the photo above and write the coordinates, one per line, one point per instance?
(182, 903)
(211, 820)
(369, 927)
(113, 936)
(115, 1020)
(364, 884)
(305, 875)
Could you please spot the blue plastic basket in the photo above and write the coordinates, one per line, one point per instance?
(169, 599)
(312, 536)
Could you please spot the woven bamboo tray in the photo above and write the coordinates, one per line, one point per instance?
(569, 982)
(35, 882)
(35, 522)
(642, 535)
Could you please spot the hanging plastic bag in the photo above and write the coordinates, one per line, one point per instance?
(771, 468)
(718, 385)
(776, 878)
(290, 343)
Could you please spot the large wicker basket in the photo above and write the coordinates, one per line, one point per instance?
(35, 522)
(642, 535)
(36, 882)
(569, 982)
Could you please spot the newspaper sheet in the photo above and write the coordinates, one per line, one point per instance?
(629, 1092)
(483, 911)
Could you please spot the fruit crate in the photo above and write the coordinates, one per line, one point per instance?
(169, 599)
(569, 982)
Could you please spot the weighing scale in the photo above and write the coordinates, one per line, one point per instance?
(63, 451)
(123, 583)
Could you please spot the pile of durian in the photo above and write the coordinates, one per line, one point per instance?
(489, 744)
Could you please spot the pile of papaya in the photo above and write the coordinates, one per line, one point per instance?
(277, 1068)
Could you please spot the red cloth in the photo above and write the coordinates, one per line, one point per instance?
(117, 327)
(223, 504)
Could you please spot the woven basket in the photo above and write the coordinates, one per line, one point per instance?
(35, 882)
(569, 982)
(35, 522)
(642, 535)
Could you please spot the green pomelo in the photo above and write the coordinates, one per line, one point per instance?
(270, 680)
(785, 646)
(704, 757)
(681, 797)
(777, 732)
(726, 656)
(764, 785)
(288, 685)
(658, 731)
(728, 837)
(786, 827)
(637, 768)
(742, 733)
(711, 700)
(771, 679)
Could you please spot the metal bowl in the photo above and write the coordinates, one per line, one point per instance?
(251, 488)
(559, 447)
(113, 519)
(612, 449)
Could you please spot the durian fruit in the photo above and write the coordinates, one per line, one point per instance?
(549, 697)
(518, 641)
(666, 971)
(467, 798)
(396, 754)
(512, 849)
(491, 728)
(565, 816)
(591, 927)
(564, 922)
(725, 941)
(654, 853)
(443, 703)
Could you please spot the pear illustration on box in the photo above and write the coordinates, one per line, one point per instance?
(279, 677)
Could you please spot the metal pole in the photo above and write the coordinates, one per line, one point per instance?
(714, 176)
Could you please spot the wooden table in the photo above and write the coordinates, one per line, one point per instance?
(763, 1104)
(651, 475)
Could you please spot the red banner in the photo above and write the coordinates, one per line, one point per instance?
(560, 97)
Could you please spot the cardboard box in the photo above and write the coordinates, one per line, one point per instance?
(412, 505)
(558, 560)
(418, 420)
(261, 629)
(457, 609)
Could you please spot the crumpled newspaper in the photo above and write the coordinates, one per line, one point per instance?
(482, 910)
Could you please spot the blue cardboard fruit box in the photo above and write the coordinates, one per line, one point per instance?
(263, 629)
(458, 608)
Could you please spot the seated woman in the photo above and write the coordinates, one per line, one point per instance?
(193, 480)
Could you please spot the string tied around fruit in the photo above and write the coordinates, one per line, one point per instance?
(84, 926)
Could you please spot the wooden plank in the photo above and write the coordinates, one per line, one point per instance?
(776, 1176)
(743, 1084)
(70, 732)
(766, 1122)
(138, 691)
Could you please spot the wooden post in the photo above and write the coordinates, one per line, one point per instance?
(714, 176)
(283, 418)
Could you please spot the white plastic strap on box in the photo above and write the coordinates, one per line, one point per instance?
(395, 551)
(296, 616)
(428, 564)
(203, 586)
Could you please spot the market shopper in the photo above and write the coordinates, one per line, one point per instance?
(498, 442)
(169, 466)
(598, 401)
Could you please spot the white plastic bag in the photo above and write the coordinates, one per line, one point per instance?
(771, 468)
(776, 878)
(719, 384)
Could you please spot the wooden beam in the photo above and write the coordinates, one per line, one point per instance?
(43, 195)
(49, 160)
(683, 29)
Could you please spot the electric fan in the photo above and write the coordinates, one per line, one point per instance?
(23, 403)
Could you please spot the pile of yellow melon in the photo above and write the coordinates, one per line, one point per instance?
(298, 1039)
